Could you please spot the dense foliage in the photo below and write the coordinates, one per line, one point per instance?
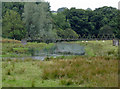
(36, 21)
(13, 25)
(90, 22)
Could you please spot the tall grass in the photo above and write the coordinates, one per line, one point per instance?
(18, 49)
(95, 70)
(98, 68)
(78, 71)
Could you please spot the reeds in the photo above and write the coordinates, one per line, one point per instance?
(81, 70)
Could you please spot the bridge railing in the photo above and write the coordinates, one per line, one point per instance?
(80, 38)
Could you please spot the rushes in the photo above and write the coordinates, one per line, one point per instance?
(81, 70)
(20, 71)
(9, 68)
(78, 71)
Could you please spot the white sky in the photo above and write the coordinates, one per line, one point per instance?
(82, 4)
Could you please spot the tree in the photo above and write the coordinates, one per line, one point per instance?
(79, 21)
(67, 34)
(61, 9)
(62, 25)
(90, 22)
(106, 16)
(60, 21)
(13, 26)
(118, 25)
(106, 30)
(38, 21)
(70, 34)
(0, 20)
(16, 6)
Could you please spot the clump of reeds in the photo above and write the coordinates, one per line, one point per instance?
(80, 70)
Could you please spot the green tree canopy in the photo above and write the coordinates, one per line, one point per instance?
(13, 26)
(38, 21)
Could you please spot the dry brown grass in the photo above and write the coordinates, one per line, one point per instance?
(93, 71)
(10, 41)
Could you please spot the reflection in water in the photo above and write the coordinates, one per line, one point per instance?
(59, 49)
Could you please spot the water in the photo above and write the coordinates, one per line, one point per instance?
(43, 57)
(69, 48)
(40, 57)
(59, 49)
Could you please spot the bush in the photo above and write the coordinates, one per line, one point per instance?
(67, 34)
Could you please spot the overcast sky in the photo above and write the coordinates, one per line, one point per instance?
(83, 4)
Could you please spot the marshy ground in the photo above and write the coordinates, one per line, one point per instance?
(97, 68)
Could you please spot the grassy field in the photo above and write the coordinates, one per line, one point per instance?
(92, 48)
(11, 48)
(78, 71)
(98, 68)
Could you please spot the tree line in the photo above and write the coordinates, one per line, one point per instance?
(35, 21)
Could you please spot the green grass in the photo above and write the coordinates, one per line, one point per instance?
(100, 48)
(20, 50)
(78, 71)
(0, 74)
(25, 74)
(92, 48)
(97, 68)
